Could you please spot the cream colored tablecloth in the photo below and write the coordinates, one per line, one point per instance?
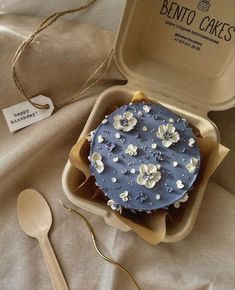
(56, 65)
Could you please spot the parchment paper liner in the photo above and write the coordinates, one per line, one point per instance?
(150, 227)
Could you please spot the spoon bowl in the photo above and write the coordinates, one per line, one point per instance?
(35, 220)
(31, 203)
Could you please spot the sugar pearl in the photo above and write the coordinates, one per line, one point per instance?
(158, 196)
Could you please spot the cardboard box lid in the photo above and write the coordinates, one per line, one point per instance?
(183, 50)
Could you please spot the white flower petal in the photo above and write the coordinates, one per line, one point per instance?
(143, 168)
(100, 167)
(98, 162)
(128, 115)
(117, 117)
(159, 135)
(194, 161)
(162, 129)
(170, 128)
(175, 137)
(167, 143)
(140, 179)
(117, 125)
(157, 176)
(190, 167)
(96, 156)
(150, 183)
(151, 168)
(132, 121)
(127, 128)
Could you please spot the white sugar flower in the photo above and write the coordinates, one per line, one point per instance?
(193, 165)
(114, 205)
(146, 108)
(149, 175)
(117, 136)
(91, 136)
(191, 142)
(183, 199)
(125, 122)
(124, 195)
(100, 139)
(131, 150)
(179, 184)
(96, 162)
(168, 134)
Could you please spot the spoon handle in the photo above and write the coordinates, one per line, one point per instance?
(53, 267)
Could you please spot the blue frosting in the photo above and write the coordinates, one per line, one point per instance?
(144, 157)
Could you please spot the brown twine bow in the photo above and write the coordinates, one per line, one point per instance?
(95, 77)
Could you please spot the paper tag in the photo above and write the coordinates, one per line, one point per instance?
(25, 114)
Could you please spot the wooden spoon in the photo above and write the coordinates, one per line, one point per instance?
(35, 219)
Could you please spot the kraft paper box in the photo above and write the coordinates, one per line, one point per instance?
(180, 55)
(80, 186)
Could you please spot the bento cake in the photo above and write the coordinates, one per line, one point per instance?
(144, 157)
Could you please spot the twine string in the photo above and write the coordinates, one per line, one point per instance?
(94, 239)
(94, 78)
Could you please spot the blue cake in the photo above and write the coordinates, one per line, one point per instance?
(144, 157)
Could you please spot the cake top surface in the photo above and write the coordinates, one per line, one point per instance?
(144, 157)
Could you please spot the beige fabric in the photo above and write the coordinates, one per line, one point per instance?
(35, 157)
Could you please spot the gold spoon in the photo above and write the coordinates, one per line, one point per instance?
(35, 219)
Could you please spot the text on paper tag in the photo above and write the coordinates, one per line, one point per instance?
(24, 114)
